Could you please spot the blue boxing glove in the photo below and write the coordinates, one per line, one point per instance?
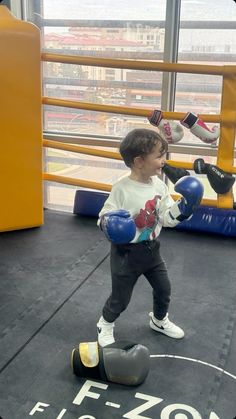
(118, 226)
(192, 191)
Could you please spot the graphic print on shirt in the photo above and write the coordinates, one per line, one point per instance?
(147, 219)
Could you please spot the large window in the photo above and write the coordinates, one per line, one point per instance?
(130, 29)
(121, 29)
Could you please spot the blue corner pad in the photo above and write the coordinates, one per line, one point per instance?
(89, 203)
(211, 220)
(205, 219)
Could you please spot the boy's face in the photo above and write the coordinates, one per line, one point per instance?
(153, 163)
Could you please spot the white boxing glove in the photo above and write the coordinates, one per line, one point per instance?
(171, 131)
(155, 117)
(198, 127)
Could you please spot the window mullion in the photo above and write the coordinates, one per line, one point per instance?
(172, 25)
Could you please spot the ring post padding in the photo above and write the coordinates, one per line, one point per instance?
(89, 202)
(211, 220)
(20, 124)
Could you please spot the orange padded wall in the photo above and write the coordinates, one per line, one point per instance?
(21, 202)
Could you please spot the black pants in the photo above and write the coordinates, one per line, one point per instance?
(128, 262)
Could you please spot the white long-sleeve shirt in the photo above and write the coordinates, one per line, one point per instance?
(150, 205)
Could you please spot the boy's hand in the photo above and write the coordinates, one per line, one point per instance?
(118, 226)
(192, 191)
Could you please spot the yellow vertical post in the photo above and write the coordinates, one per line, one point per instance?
(20, 124)
(225, 157)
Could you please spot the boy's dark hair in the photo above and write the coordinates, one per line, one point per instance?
(140, 142)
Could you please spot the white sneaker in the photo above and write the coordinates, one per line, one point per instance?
(166, 327)
(105, 332)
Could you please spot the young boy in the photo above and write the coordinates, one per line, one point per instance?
(132, 218)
